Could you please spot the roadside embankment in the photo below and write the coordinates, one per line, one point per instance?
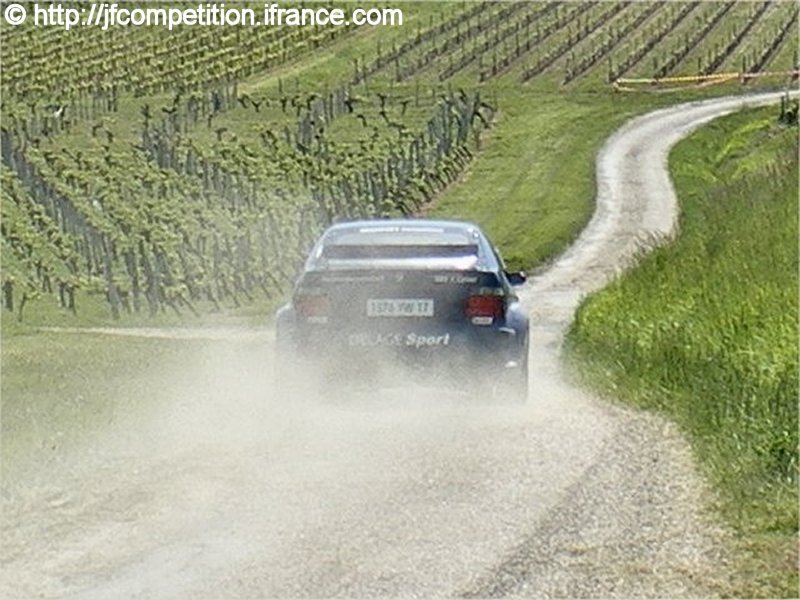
(705, 330)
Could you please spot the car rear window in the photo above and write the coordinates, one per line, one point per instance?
(399, 251)
(400, 243)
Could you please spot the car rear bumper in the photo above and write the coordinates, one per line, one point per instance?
(430, 351)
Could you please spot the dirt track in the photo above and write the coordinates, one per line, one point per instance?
(230, 493)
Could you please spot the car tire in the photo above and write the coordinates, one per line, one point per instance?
(516, 381)
(283, 379)
(517, 387)
(286, 377)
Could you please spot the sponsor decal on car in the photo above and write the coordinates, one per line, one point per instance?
(353, 278)
(455, 279)
(367, 340)
(427, 341)
(397, 340)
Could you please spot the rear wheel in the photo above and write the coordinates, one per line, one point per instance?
(515, 380)
(517, 384)
(284, 379)
(287, 375)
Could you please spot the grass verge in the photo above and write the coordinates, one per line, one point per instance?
(532, 187)
(59, 388)
(705, 330)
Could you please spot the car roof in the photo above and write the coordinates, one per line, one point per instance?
(464, 226)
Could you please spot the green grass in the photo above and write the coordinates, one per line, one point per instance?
(532, 188)
(92, 311)
(59, 389)
(705, 330)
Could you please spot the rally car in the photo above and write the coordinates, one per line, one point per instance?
(429, 298)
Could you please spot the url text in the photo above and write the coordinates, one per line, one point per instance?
(108, 15)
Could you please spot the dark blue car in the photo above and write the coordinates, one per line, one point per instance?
(427, 298)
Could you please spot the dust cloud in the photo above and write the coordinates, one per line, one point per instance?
(220, 467)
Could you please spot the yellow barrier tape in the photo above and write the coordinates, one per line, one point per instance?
(701, 78)
(794, 73)
(718, 80)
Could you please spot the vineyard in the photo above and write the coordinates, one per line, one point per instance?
(188, 171)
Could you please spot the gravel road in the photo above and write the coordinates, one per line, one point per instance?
(229, 493)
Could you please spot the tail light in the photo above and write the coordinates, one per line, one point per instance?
(315, 308)
(483, 308)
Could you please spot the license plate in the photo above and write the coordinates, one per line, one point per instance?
(400, 307)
